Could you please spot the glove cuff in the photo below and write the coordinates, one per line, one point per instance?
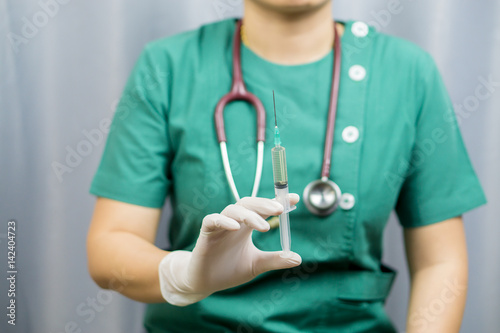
(173, 273)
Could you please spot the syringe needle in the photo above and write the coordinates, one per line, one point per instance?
(275, 119)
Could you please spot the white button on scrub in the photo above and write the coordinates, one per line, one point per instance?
(350, 134)
(357, 72)
(347, 201)
(359, 29)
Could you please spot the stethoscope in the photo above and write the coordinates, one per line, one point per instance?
(321, 196)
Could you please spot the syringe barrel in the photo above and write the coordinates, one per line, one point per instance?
(285, 236)
(279, 166)
(281, 191)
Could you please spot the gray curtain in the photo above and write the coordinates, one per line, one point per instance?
(63, 64)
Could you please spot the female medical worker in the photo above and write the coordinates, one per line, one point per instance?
(396, 146)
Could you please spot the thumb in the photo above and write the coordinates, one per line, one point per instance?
(268, 261)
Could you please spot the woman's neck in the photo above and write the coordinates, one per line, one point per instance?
(288, 38)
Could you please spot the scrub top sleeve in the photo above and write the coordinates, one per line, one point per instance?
(134, 164)
(440, 182)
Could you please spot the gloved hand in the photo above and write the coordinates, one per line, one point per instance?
(224, 255)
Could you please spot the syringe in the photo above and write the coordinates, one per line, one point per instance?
(281, 185)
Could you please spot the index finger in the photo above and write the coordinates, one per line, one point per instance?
(266, 207)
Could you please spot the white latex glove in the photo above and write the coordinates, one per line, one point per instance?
(224, 255)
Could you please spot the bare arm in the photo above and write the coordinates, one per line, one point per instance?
(121, 251)
(437, 258)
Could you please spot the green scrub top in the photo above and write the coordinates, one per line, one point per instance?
(396, 146)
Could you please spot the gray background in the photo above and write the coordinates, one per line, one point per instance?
(67, 77)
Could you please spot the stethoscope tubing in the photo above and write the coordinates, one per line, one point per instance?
(239, 92)
(334, 94)
(229, 174)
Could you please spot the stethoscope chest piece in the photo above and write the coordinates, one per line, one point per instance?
(322, 196)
